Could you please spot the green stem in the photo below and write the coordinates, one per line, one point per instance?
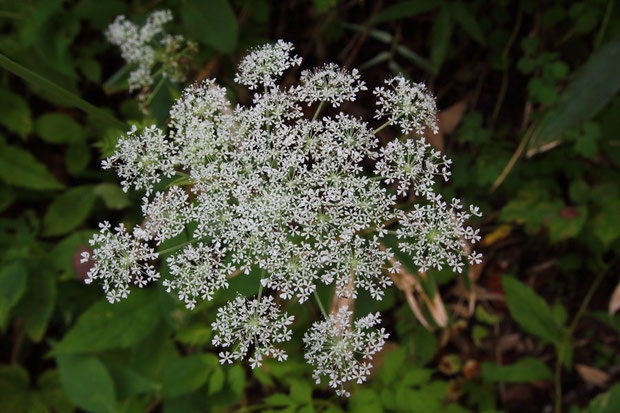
(176, 247)
(381, 127)
(601, 33)
(260, 285)
(320, 304)
(69, 98)
(316, 114)
(573, 325)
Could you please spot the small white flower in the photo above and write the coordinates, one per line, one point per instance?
(120, 259)
(406, 104)
(141, 158)
(265, 64)
(245, 324)
(330, 84)
(341, 351)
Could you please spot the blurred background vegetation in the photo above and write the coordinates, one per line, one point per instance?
(529, 114)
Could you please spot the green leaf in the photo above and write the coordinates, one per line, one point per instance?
(464, 18)
(596, 83)
(20, 168)
(440, 37)
(15, 392)
(406, 9)
(607, 223)
(15, 113)
(561, 228)
(51, 392)
(531, 311)
(128, 381)
(523, 370)
(113, 195)
(68, 211)
(87, 382)
(216, 381)
(106, 326)
(608, 402)
(415, 58)
(37, 304)
(67, 97)
(279, 400)
(212, 23)
(59, 128)
(392, 361)
(301, 392)
(236, 379)
(185, 375)
(77, 157)
(13, 283)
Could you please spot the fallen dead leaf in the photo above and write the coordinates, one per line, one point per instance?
(447, 121)
(614, 302)
(592, 375)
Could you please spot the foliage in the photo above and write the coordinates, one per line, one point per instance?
(539, 85)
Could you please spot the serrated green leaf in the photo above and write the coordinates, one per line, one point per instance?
(59, 128)
(531, 312)
(15, 113)
(18, 167)
(13, 281)
(212, 23)
(106, 326)
(523, 370)
(464, 18)
(87, 382)
(68, 211)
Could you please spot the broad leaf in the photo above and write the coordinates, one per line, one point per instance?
(87, 382)
(187, 374)
(15, 113)
(18, 167)
(464, 18)
(440, 37)
(12, 286)
(211, 22)
(37, 304)
(68, 210)
(523, 370)
(59, 128)
(595, 85)
(531, 311)
(106, 326)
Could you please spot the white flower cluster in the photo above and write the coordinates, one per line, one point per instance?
(244, 323)
(342, 351)
(263, 187)
(149, 47)
(120, 259)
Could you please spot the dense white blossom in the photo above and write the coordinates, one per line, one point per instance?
(141, 158)
(406, 104)
(197, 272)
(265, 64)
(262, 187)
(341, 351)
(120, 259)
(329, 84)
(413, 162)
(435, 234)
(147, 47)
(242, 324)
